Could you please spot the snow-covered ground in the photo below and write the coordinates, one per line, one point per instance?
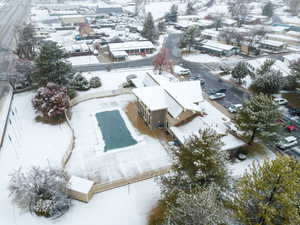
(28, 143)
(83, 60)
(202, 58)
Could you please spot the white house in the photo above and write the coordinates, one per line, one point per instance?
(290, 58)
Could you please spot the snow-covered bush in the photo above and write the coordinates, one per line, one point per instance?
(95, 82)
(80, 83)
(51, 101)
(41, 191)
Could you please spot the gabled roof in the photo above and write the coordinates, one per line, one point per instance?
(173, 96)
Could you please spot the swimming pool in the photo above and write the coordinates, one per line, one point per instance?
(114, 130)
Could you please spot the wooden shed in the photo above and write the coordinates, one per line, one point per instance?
(80, 189)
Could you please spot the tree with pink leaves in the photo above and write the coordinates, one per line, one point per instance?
(162, 61)
(51, 102)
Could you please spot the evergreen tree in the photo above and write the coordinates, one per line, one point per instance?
(189, 37)
(199, 162)
(161, 26)
(200, 207)
(269, 83)
(149, 30)
(190, 10)
(295, 68)
(258, 117)
(52, 66)
(266, 67)
(269, 194)
(240, 71)
(268, 9)
(173, 14)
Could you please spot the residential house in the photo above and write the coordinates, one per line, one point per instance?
(120, 51)
(105, 8)
(211, 34)
(180, 108)
(217, 48)
(272, 46)
(283, 38)
(290, 58)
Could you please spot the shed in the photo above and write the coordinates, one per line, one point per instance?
(80, 189)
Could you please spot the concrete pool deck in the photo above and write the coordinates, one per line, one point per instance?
(87, 161)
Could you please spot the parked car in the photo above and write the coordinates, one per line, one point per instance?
(217, 96)
(294, 111)
(181, 70)
(287, 142)
(202, 81)
(235, 108)
(296, 149)
(280, 101)
(222, 90)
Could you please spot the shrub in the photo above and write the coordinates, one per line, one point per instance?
(80, 83)
(51, 101)
(95, 82)
(41, 191)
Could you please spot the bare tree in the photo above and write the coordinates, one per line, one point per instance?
(294, 6)
(26, 45)
(162, 61)
(239, 10)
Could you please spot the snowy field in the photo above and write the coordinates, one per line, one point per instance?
(83, 60)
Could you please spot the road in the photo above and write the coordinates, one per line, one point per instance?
(13, 14)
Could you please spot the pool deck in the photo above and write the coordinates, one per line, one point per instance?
(105, 168)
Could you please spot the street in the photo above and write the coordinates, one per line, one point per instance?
(12, 14)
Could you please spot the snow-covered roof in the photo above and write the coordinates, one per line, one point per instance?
(161, 93)
(215, 120)
(153, 97)
(132, 45)
(210, 32)
(292, 57)
(281, 37)
(80, 185)
(278, 65)
(119, 54)
(293, 33)
(272, 43)
(217, 45)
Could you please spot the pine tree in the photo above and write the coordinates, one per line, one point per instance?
(149, 31)
(189, 37)
(266, 67)
(268, 9)
(199, 162)
(258, 117)
(269, 194)
(161, 26)
(51, 102)
(52, 66)
(173, 14)
(190, 10)
(295, 68)
(240, 71)
(201, 206)
(269, 83)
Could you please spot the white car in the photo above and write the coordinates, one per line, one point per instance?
(287, 142)
(181, 71)
(280, 101)
(217, 96)
(231, 126)
(235, 108)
